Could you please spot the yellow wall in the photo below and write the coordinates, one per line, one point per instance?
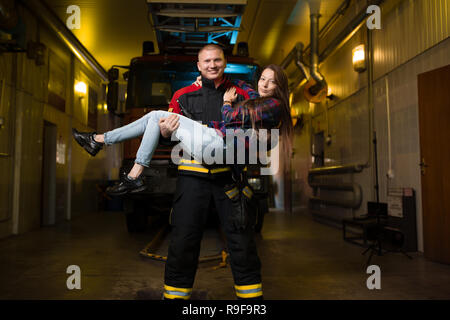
(25, 108)
(414, 38)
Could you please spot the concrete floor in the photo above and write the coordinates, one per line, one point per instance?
(301, 259)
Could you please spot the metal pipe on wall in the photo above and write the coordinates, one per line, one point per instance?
(314, 56)
(350, 28)
(350, 168)
(355, 188)
(296, 55)
(299, 62)
(339, 41)
(339, 12)
(299, 49)
(370, 109)
(287, 60)
(389, 138)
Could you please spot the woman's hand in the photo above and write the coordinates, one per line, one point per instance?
(230, 95)
(198, 81)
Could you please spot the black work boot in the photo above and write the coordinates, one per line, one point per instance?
(127, 185)
(86, 140)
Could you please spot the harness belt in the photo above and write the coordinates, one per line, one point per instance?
(195, 166)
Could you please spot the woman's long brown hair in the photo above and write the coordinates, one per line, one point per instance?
(281, 93)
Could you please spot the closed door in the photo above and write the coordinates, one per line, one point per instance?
(49, 175)
(434, 120)
(6, 160)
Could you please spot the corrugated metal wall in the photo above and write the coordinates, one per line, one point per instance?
(408, 30)
(6, 142)
(404, 123)
(25, 107)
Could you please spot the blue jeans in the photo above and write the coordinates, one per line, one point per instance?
(194, 136)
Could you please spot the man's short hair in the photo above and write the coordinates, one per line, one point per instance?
(211, 46)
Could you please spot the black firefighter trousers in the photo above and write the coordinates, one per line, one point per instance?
(188, 218)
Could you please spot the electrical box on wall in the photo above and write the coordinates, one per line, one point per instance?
(402, 215)
(36, 51)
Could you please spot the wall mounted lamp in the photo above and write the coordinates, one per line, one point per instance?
(359, 58)
(80, 88)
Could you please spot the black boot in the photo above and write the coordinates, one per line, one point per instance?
(127, 185)
(86, 140)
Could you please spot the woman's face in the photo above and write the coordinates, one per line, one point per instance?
(266, 84)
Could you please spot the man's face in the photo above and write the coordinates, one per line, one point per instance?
(211, 64)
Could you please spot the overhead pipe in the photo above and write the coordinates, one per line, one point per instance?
(349, 30)
(299, 49)
(339, 12)
(314, 57)
(298, 60)
(288, 59)
(314, 6)
(43, 12)
(295, 51)
(296, 55)
(339, 41)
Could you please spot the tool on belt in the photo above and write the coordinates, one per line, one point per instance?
(243, 202)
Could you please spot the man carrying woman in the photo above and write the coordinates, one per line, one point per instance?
(222, 105)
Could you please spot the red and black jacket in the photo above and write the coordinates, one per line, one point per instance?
(203, 104)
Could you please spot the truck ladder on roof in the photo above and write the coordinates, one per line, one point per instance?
(188, 25)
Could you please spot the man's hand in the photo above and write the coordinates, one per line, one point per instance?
(168, 125)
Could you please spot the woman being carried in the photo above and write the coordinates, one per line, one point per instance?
(269, 110)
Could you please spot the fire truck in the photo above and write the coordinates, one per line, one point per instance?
(152, 79)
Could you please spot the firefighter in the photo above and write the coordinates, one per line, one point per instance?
(198, 185)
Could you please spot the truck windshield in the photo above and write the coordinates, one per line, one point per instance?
(152, 84)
